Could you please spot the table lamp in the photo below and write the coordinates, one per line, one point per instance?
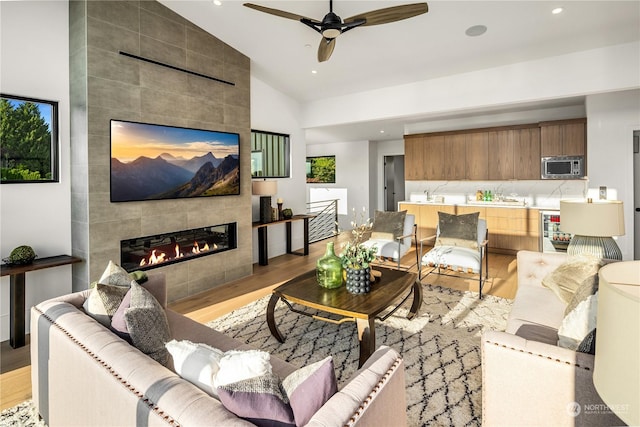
(265, 189)
(593, 224)
(616, 372)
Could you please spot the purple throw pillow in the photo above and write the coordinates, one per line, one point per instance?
(260, 400)
(309, 388)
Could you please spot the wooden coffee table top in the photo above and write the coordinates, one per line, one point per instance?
(306, 291)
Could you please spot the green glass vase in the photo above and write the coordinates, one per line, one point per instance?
(329, 269)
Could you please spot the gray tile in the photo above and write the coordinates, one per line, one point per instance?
(201, 42)
(162, 29)
(160, 51)
(164, 103)
(163, 11)
(111, 94)
(105, 36)
(155, 76)
(113, 66)
(121, 13)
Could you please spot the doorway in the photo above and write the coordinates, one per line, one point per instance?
(636, 194)
(393, 182)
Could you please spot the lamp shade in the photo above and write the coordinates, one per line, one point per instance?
(597, 219)
(264, 188)
(616, 373)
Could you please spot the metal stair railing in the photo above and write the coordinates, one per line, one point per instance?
(324, 224)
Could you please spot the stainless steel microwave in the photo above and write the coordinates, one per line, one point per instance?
(563, 167)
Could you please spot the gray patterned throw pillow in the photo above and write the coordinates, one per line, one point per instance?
(147, 324)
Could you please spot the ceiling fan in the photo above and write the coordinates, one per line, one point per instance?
(332, 25)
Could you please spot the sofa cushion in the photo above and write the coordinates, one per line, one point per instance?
(565, 280)
(147, 324)
(578, 323)
(115, 275)
(539, 333)
(388, 225)
(458, 230)
(103, 302)
(589, 286)
(238, 365)
(197, 363)
(309, 388)
(260, 400)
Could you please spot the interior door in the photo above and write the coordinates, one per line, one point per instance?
(393, 182)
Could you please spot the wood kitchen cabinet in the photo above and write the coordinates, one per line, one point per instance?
(413, 158)
(500, 153)
(510, 229)
(477, 156)
(501, 145)
(563, 138)
(526, 154)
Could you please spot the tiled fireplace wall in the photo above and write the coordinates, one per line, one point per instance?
(106, 85)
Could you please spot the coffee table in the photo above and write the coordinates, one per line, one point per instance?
(362, 309)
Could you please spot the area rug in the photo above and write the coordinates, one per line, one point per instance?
(440, 348)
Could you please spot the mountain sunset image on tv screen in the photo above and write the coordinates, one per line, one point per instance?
(155, 162)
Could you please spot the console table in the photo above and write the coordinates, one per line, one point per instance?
(263, 256)
(17, 291)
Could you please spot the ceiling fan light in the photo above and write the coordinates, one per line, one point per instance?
(330, 33)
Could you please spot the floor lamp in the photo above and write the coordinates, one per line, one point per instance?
(593, 224)
(265, 189)
(616, 371)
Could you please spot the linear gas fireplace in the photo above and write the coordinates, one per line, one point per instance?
(144, 253)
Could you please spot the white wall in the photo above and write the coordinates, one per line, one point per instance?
(35, 63)
(276, 112)
(352, 173)
(611, 120)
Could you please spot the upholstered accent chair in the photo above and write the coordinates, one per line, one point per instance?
(393, 234)
(460, 246)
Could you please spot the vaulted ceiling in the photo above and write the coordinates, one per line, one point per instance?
(283, 52)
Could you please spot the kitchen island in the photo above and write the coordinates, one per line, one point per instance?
(512, 226)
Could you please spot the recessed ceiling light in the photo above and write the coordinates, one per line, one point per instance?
(476, 30)
(314, 72)
(382, 131)
(217, 2)
(557, 10)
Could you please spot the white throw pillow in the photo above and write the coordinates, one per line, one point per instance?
(238, 365)
(196, 363)
(578, 323)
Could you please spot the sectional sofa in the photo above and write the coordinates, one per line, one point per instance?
(84, 374)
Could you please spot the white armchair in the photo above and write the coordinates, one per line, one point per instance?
(460, 248)
(393, 234)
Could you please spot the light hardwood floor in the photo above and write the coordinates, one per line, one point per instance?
(15, 373)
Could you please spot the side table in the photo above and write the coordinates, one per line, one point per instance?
(17, 281)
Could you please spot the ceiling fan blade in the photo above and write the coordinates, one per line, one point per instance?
(325, 49)
(280, 13)
(390, 14)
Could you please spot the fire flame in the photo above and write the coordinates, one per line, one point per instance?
(158, 257)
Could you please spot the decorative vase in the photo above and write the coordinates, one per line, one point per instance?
(358, 280)
(329, 269)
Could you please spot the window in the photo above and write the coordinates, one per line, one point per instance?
(270, 156)
(28, 140)
(321, 169)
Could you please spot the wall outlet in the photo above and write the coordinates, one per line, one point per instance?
(603, 193)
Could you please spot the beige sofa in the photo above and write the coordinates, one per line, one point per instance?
(528, 380)
(84, 375)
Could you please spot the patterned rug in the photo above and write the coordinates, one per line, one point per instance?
(440, 348)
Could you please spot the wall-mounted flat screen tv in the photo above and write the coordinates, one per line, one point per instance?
(155, 162)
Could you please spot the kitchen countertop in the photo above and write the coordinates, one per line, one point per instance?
(504, 204)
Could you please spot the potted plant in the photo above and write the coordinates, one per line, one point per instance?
(356, 257)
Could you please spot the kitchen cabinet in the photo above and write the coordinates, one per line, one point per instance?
(510, 229)
(500, 153)
(476, 156)
(501, 145)
(526, 154)
(455, 157)
(413, 158)
(563, 138)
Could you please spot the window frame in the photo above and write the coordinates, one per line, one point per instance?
(266, 159)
